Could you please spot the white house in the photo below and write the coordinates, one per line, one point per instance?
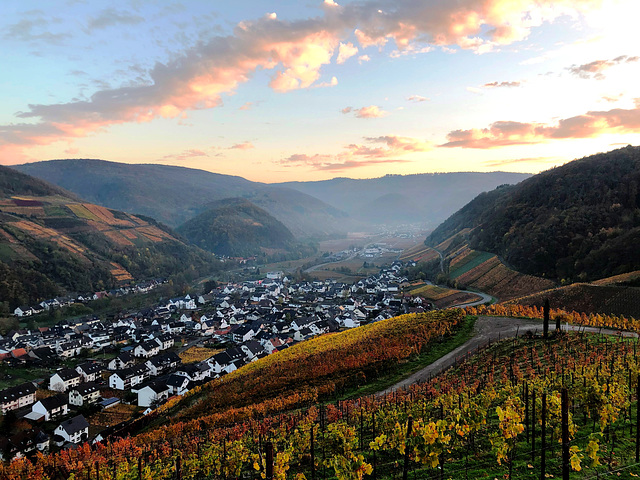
(74, 430)
(90, 371)
(178, 384)
(84, 394)
(64, 379)
(129, 377)
(152, 393)
(147, 349)
(52, 407)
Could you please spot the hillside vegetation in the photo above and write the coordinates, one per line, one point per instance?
(52, 243)
(577, 222)
(236, 227)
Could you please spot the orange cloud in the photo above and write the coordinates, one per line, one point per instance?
(242, 146)
(594, 69)
(357, 155)
(186, 155)
(372, 111)
(591, 124)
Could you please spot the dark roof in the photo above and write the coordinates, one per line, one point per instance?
(86, 388)
(67, 374)
(53, 402)
(176, 380)
(75, 424)
(18, 391)
(90, 367)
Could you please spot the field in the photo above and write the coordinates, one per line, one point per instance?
(113, 416)
(198, 354)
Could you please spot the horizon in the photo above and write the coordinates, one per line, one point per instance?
(288, 181)
(311, 92)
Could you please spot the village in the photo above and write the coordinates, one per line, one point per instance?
(135, 359)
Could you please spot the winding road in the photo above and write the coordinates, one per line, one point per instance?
(491, 329)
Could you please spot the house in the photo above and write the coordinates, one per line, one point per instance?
(242, 334)
(252, 349)
(147, 349)
(17, 397)
(75, 430)
(52, 407)
(129, 377)
(165, 340)
(64, 379)
(161, 363)
(69, 349)
(153, 394)
(84, 394)
(122, 361)
(23, 311)
(178, 384)
(90, 371)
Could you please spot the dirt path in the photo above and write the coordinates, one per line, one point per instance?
(491, 329)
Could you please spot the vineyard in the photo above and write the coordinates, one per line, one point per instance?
(604, 298)
(485, 272)
(514, 410)
(444, 297)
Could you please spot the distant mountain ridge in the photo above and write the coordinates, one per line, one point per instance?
(577, 222)
(51, 242)
(174, 195)
(236, 227)
(427, 198)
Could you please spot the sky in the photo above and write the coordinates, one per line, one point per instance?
(309, 89)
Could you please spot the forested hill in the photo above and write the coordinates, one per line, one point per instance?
(236, 227)
(580, 221)
(52, 243)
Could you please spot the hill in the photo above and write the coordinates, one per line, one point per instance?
(174, 195)
(51, 242)
(577, 222)
(236, 227)
(395, 199)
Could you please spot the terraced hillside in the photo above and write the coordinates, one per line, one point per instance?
(51, 242)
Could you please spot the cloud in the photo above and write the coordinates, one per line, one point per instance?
(345, 52)
(596, 68)
(475, 90)
(417, 98)
(511, 161)
(331, 83)
(613, 98)
(363, 58)
(34, 30)
(295, 51)
(378, 150)
(72, 151)
(588, 125)
(185, 155)
(372, 111)
(246, 106)
(502, 84)
(242, 146)
(346, 110)
(111, 17)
